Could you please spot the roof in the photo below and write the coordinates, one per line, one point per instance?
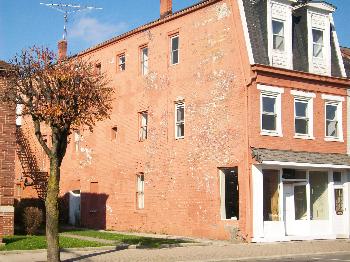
(263, 154)
(199, 5)
(257, 24)
(346, 59)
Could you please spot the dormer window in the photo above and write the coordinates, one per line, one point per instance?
(278, 35)
(317, 43)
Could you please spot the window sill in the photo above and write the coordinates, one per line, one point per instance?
(179, 138)
(264, 133)
(227, 219)
(306, 137)
(333, 139)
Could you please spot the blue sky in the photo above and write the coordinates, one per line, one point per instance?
(24, 23)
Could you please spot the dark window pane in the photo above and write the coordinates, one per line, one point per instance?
(337, 176)
(301, 126)
(300, 109)
(180, 130)
(277, 28)
(175, 43)
(331, 111)
(180, 113)
(231, 193)
(269, 104)
(317, 36)
(175, 59)
(268, 122)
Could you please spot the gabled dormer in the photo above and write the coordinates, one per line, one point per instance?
(279, 33)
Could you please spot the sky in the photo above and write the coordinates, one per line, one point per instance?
(24, 23)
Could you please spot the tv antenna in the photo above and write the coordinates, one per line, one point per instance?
(68, 9)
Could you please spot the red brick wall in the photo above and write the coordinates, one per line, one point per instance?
(181, 176)
(7, 167)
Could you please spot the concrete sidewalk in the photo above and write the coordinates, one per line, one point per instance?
(219, 251)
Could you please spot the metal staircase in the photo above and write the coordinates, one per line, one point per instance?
(30, 165)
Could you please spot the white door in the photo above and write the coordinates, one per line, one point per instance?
(340, 225)
(295, 209)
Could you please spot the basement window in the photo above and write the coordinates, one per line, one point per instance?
(140, 196)
(229, 193)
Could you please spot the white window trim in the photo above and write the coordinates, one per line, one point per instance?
(144, 69)
(171, 49)
(143, 127)
(338, 101)
(308, 97)
(275, 92)
(178, 103)
(140, 193)
(288, 32)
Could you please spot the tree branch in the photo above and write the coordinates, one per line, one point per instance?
(40, 138)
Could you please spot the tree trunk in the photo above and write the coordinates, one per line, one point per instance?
(51, 203)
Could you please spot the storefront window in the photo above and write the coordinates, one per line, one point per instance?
(271, 195)
(319, 195)
(300, 202)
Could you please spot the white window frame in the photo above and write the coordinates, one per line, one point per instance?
(120, 63)
(144, 60)
(338, 102)
(317, 44)
(275, 92)
(143, 120)
(179, 104)
(172, 51)
(283, 35)
(307, 98)
(140, 192)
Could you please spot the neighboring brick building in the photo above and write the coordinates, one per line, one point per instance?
(7, 163)
(230, 122)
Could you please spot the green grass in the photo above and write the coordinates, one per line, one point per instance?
(127, 239)
(39, 242)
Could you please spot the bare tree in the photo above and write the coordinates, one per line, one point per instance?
(63, 95)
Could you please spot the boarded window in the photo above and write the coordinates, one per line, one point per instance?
(271, 195)
(140, 196)
(229, 192)
(179, 120)
(175, 50)
(300, 202)
(144, 60)
(143, 123)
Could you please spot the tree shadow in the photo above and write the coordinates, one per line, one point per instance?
(118, 248)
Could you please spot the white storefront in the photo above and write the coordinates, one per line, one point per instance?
(300, 201)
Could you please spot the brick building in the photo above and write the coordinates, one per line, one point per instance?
(7, 163)
(230, 122)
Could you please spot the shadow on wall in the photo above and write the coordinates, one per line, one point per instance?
(93, 210)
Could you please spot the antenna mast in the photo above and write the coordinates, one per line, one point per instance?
(68, 9)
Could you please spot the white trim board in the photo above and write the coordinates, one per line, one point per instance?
(279, 163)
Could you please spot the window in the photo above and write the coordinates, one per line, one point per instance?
(319, 195)
(229, 193)
(143, 118)
(175, 50)
(179, 120)
(278, 35)
(300, 202)
(301, 117)
(337, 177)
(333, 118)
(338, 195)
(271, 195)
(98, 68)
(270, 107)
(144, 60)
(317, 43)
(121, 62)
(114, 132)
(77, 139)
(140, 197)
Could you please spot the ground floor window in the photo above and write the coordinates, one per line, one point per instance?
(300, 202)
(338, 195)
(271, 195)
(319, 195)
(229, 192)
